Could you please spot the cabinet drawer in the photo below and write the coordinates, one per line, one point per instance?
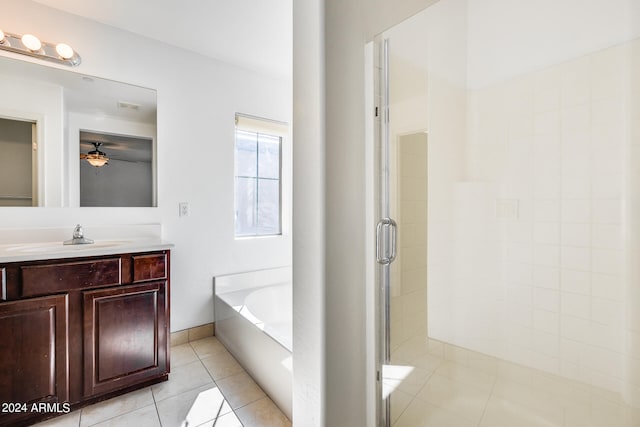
(52, 278)
(149, 267)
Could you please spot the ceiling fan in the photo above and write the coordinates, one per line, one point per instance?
(95, 157)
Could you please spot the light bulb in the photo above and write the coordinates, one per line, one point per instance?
(64, 50)
(31, 42)
(97, 161)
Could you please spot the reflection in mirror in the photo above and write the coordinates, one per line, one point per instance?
(62, 103)
(18, 177)
(126, 179)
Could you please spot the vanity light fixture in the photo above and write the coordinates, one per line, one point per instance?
(64, 50)
(96, 157)
(30, 45)
(31, 42)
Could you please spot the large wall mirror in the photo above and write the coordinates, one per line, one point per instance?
(53, 124)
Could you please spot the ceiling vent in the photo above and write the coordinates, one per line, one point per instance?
(128, 105)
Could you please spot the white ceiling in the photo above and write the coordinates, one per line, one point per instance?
(254, 34)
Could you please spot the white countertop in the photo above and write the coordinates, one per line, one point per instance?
(16, 252)
(32, 244)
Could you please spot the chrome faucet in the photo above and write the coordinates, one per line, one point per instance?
(78, 237)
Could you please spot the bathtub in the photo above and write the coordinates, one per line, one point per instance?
(253, 319)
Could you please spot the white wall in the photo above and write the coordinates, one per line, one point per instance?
(309, 221)
(345, 216)
(508, 38)
(197, 100)
(380, 15)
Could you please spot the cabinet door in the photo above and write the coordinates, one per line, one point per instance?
(125, 336)
(33, 353)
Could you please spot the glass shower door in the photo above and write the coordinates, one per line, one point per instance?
(529, 313)
(401, 237)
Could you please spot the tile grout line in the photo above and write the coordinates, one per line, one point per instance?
(413, 395)
(123, 413)
(223, 349)
(233, 410)
(404, 410)
(486, 405)
(155, 405)
(153, 395)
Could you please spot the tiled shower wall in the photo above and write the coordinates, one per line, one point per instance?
(414, 171)
(631, 232)
(409, 305)
(540, 227)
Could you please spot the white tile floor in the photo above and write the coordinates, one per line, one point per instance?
(206, 387)
(429, 389)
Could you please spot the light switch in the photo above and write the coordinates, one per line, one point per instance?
(183, 208)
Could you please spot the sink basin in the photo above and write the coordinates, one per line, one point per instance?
(59, 247)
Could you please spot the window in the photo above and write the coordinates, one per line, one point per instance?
(258, 189)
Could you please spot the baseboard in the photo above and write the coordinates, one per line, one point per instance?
(192, 334)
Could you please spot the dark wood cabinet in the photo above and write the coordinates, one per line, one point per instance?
(33, 349)
(122, 329)
(80, 330)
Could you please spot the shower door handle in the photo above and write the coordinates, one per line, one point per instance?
(384, 255)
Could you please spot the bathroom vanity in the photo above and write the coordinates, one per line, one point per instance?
(80, 325)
